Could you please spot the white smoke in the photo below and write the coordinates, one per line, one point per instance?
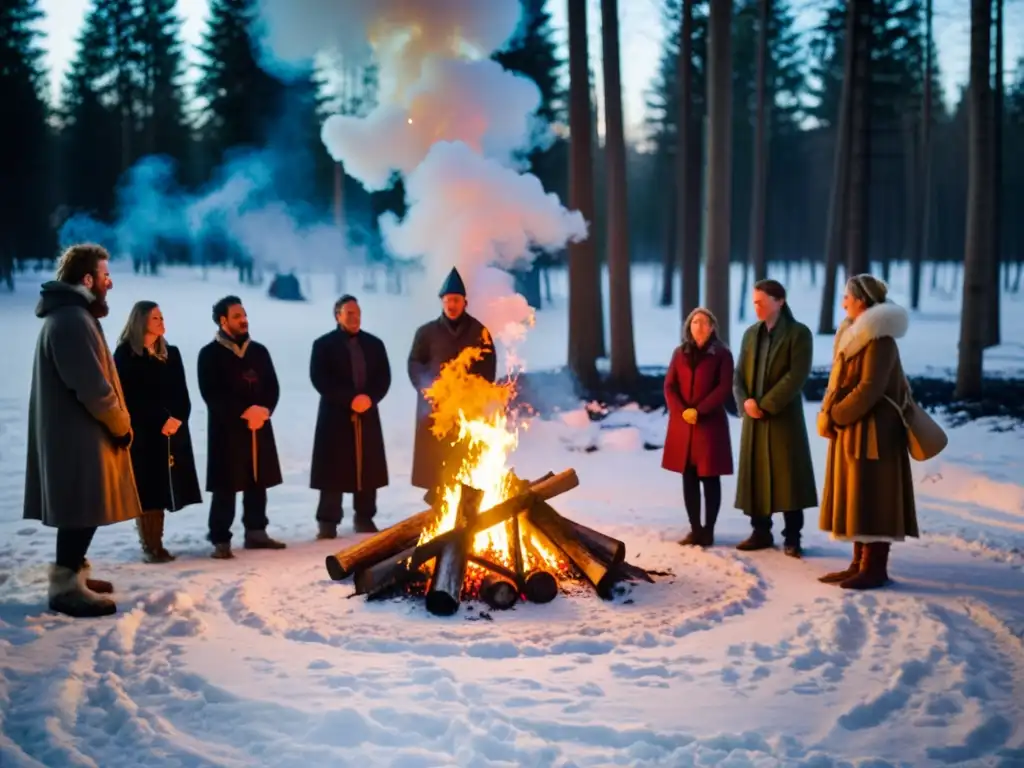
(453, 123)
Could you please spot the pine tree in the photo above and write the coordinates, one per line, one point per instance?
(242, 100)
(165, 128)
(25, 140)
(90, 136)
(533, 52)
(898, 36)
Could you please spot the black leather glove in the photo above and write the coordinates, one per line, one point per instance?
(123, 441)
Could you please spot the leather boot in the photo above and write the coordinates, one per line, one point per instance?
(150, 525)
(874, 571)
(756, 541)
(854, 567)
(694, 538)
(69, 595)
(260, 540)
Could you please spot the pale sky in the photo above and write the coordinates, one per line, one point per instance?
(641, 31)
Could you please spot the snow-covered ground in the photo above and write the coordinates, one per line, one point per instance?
(736, 660)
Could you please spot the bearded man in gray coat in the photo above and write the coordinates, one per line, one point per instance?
(79, 470)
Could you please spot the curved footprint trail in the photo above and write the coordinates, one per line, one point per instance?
(719, 665)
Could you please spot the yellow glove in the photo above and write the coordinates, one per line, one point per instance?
(690, 415)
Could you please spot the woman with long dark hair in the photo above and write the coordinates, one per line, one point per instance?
(153, 379)
(698, 446)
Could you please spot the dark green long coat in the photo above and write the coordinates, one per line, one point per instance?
(775, 469)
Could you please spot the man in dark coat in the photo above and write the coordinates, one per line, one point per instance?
(349, 368)
(239, 386)
(435, 344)
(78, 475)
(775, 469)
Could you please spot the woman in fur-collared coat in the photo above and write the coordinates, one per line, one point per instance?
(869, 493)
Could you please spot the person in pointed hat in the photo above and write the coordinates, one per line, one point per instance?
(436, 343)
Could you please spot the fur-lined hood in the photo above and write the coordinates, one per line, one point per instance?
(877, 322)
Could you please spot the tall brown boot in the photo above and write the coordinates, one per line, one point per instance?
(874, 568)
(150, 525)
(850, 570)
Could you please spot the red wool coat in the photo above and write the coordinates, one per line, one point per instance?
(705, 387)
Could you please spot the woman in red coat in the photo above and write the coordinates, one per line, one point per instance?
(698, 446)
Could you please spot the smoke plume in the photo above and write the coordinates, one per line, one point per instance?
(452, 122)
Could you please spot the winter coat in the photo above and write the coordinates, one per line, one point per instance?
(700, 379)
(775, 469)
(336, 459)
(869, 489)
(155, 390)
(434, 344)
(79, 471)
(231, 378)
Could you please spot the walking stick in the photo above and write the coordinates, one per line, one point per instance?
(357, 425)
(255, 459)
(170, 474)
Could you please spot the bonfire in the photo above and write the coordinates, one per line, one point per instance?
(489, 535)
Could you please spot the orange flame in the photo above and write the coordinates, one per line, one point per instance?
(473, 414)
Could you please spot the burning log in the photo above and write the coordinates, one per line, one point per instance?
(384, 574)
(564, 534)
(498, 592)
(542, 491)
(445, 591)
(541, 586)
(387, 544)
(611, 551)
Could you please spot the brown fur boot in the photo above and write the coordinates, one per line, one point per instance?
(850, 570)
(150, 525)
(69, 595)
(874, 570)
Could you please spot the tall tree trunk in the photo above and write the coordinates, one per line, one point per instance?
(979, 205)
(837, 207)
(623, 352)
(689, 171)
(923, 207)
(858, 242)
(585, 312)
(719, 185)
(759, 193)
(668, 254)
(992, 330)
(912, 195)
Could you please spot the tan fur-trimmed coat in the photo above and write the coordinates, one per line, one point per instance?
(869, 493)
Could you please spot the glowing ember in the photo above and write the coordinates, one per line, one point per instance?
(473, 413)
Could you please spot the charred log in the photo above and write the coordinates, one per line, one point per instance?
(610, 550)
(541, 586)
(445, 591)
(498, 592)
(379, 576)
(382, 546)
(564, 535)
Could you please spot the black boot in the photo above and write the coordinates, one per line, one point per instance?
(757, 540)
(695, 538)
(260, 540)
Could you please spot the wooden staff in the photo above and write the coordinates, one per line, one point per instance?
(357, 426)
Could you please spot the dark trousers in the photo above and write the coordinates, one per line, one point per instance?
(691, 497)
(222, 513)
(794, 520)
(363, 502)
(72, 545)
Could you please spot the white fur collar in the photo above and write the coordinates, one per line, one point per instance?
(877, 322)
